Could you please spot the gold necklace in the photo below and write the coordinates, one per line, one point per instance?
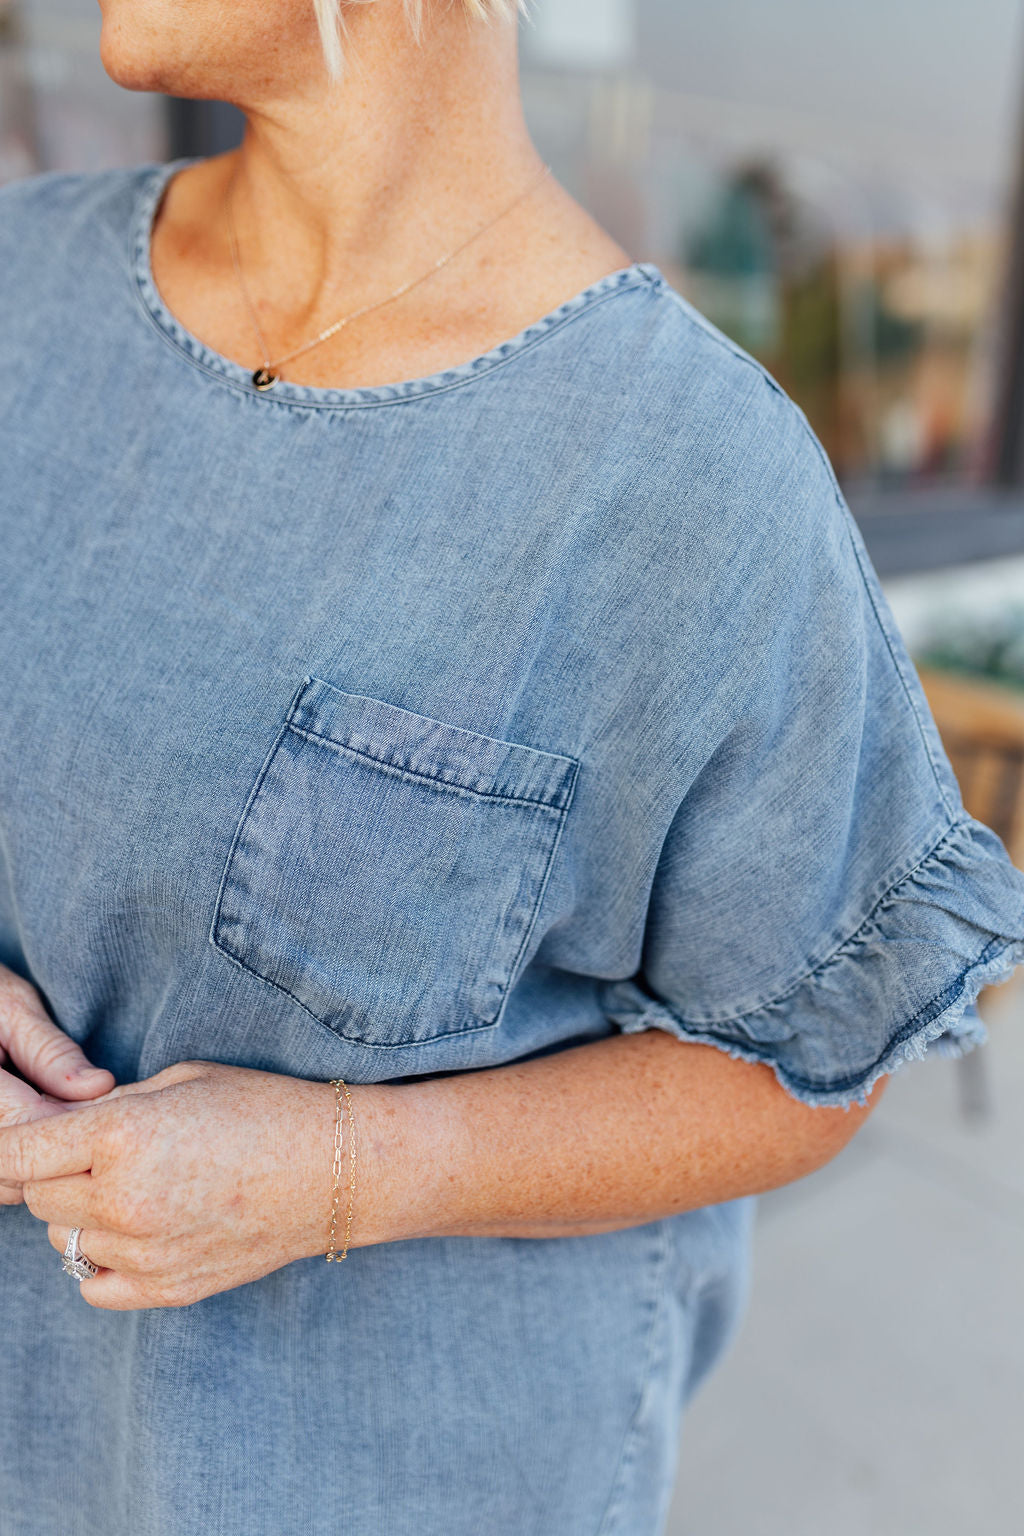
(266, 377)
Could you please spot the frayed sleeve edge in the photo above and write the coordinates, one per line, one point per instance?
(952, 1031)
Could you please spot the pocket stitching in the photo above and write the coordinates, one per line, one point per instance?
(243, 818)
(560, 812)
(555, 841)
(429, 778)
(557, 800)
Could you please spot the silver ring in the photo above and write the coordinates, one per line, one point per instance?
(74, 1261)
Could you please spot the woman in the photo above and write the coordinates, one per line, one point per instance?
(525, 745)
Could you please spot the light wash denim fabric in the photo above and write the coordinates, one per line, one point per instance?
(415, 729)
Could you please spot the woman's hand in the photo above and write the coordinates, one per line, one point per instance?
(199, 1179)
(59, 1075)
(206, 1177)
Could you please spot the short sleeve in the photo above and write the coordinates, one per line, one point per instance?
(821, 901)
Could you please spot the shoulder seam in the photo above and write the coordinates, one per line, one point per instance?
(700, 322)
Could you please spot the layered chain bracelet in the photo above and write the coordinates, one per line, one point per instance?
(341, 1088)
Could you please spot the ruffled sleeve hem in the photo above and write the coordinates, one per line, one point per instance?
(903, 983)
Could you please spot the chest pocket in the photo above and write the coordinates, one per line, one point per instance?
(387, 869)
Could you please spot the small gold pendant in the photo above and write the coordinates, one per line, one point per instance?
(264, 379)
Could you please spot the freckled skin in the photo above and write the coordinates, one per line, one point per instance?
(206, 1176)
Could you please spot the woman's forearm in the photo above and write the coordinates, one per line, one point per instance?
(205, 1176)
(610, 1134)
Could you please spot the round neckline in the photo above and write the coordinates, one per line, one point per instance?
(155, 179)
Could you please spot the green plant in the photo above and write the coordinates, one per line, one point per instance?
(990, 647)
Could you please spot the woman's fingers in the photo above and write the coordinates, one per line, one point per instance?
(17, 1099)
(19, 1105)
(69, 1202)
(59, 1145)
(115, 1292)
(128, 1279)
(48, 1057)
(93, 1243)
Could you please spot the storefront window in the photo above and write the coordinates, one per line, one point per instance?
(827, 183)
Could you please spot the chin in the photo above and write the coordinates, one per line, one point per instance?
(150, 45)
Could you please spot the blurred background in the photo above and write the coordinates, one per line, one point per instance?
(840, 188)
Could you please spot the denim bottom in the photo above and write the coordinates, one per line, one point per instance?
(441, 1387)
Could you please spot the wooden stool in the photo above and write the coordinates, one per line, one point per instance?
(981, 724)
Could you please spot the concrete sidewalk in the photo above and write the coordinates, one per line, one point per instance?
(876, 1387)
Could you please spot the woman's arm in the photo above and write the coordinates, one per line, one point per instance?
(599, 1136)
(205, 1177)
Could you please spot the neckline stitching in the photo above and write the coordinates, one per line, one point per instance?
(313, 397)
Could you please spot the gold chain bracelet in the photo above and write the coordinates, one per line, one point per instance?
(340, 1086)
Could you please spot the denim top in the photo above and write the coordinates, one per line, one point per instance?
(396, 730)
(409, 729)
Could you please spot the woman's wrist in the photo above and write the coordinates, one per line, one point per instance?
(523, 1149)
(399, 1172)
(404, 1162)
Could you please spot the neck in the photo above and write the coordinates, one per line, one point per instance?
(345, 188)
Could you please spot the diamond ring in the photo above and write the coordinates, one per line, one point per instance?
(75, 1262)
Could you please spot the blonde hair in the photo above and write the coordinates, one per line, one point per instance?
(331, 23)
